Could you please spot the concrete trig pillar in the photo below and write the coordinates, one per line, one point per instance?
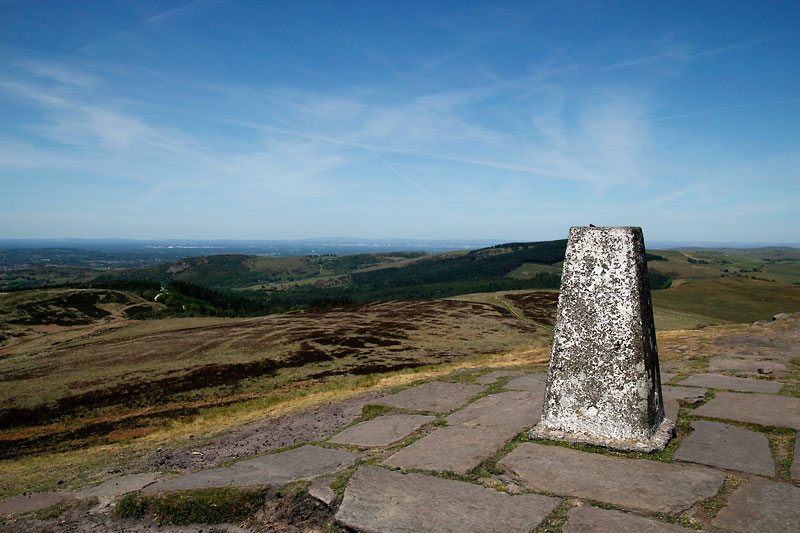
(603, 384)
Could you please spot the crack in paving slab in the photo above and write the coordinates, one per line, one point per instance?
(632, 483)
(380, 500)
(382, 431)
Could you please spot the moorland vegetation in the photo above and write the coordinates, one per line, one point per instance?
(103, 368)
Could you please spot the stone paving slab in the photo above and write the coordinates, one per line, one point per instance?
(117, 486)
(587, 518)
(26, 503)
(726, 446)
(780, 411)
(687, 394)
(382, 431)
(671, 409)
(454, 448)
(305, 462)
(491, 377)
(717, 381)
(763, 506)
(321, 490)
(666, 376)
(748, 365)
(634, 484)
(390, 502)
(529, 382)
(672, 394)
(519, 409)
(437, 396)
(795, 471)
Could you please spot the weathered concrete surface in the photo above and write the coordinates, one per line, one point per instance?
(382, 431)
(717, 381)
(603, 385)
(665, 377)
(518, 409)
(491, 377)
(390, 502)
(118, 486)
(306, 462)
(763, 506)
(726, 446)
(767, 410)
(456, 449)
(634, 484)
(587, 518)
(31, 502)
(795, 471)
(437, 396)
(529, 382)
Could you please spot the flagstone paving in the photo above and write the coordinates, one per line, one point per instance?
(726, 446)
(381, 500)
(767, 410)
(305, 462)
(491, 377)
(686, 394)
(587, 518)
(761, 506)
(753, 364)
(717, 381)
(117, 486)
(672, 394)
(795, 472)
(456, 449)
(31, 502)
(529, 382)
(382, 431)
(519, 409)
(437, 396)
(634, 484)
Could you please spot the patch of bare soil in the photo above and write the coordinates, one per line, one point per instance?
(259, 437)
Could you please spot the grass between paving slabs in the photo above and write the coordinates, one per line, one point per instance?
(201, 506)
(707, 509)
(554, 522)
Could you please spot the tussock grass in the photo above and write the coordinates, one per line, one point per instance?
(201, 506)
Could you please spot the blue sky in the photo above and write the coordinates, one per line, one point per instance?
(501, 120)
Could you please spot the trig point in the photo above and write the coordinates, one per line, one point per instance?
(603, 385)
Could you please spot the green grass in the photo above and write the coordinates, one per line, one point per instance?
(727, 300)
(202, 506)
